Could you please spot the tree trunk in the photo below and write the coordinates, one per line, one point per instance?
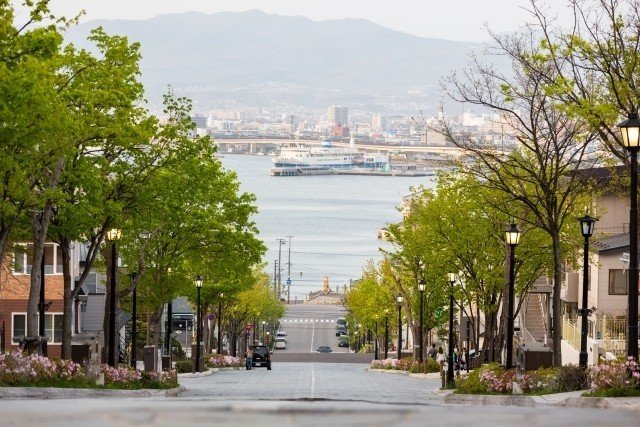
(67, 314)
(556, 304)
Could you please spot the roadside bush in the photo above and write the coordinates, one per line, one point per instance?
(570, 378)
(19, 369)
(430, 365)
(615, 379)
(472, 383)
(220, 361)
(185, 366)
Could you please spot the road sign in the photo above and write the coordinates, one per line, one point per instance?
(211, 316)
(288, 281)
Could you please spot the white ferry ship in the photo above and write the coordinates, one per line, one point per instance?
(324, 160)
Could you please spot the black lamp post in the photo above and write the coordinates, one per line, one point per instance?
(421, 287)
(113, 236)
(220, 324)
(134, 326)
(263, 323)
(199, 282)
(630, 130)
(587, 224)
(512, 237)
(386, 333)
(450, 379)
(399, 300)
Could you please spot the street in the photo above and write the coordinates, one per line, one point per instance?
(297, 394)
(316, 392)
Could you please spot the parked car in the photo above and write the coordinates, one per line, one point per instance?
(261, 356)
(324, 349)
(280, 344)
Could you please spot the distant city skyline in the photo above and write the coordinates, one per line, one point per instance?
(464, 22)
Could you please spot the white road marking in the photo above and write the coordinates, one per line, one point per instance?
(313, 333)
(313, 381)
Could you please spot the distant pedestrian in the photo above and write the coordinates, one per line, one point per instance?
(249, 357)
(441, 359)
(432, 353)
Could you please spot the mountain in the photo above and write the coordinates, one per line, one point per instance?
(257, 57)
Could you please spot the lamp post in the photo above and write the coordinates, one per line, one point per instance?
(263, 323)
(220, 324)
(199, 282)
(450, 379)
(386, 333)
(421, 287)
(134, 330)
(113, 235)
(512, 238)
(630, 130)
(399, 300)
(587, 224)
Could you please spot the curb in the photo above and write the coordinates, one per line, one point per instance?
(76, 393)
(198, 374)
(427, 376)
(543, 401)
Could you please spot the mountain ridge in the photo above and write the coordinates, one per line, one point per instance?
(232, 54)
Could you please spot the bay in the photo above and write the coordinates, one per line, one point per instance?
(334, 220)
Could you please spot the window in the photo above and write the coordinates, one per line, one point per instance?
(618, 282)
(23, 259)
(19, 324)
(52, 327)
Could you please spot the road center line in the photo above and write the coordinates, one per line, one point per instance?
(313, 333)
(313, 382)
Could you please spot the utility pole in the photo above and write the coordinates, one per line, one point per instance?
(289, 272)
(275, 278)
(280, 243)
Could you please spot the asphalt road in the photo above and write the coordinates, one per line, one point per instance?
(310, 326)
(298, 394)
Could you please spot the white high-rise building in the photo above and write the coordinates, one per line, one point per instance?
(379, 122)
(338, 115)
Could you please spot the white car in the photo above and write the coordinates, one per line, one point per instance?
(280, 335)
(280, 344)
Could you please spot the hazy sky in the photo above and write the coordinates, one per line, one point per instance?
(455, 20)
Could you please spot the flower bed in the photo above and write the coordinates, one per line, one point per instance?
(220, 361)
(406, 364)
(615, 379)
(20, 370)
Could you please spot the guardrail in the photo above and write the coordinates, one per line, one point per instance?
(570, 332)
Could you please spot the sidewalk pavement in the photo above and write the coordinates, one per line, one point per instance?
(572, 399)
(76, 393)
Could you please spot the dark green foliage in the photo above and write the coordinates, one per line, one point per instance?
(184, 366)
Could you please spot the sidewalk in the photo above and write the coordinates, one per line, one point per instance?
(77, 393)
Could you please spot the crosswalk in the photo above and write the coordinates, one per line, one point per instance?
(308, 320)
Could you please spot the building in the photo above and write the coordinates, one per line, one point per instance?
(378, 122)
(15, 282)
(338, 115)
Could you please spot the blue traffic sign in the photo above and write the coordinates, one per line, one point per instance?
(288, 281)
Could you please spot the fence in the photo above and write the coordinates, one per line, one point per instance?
(613, 332)
(571, 332)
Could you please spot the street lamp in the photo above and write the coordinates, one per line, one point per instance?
(587, 224)
(198, 282)
(450, 379)
(399, 300)
(421, 287)
(134, 316)
(630, 130)
(386, 333)
(220, 324)
(263, 323)
(113, 235)
(512, 238)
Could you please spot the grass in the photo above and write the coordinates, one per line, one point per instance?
(614, 392)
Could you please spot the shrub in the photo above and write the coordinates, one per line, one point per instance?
(430, 365)
(19, 369)
(615, 378)
(472, 384)
(220, 361)
(184, 366)
(497, 381)
(570, 378)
